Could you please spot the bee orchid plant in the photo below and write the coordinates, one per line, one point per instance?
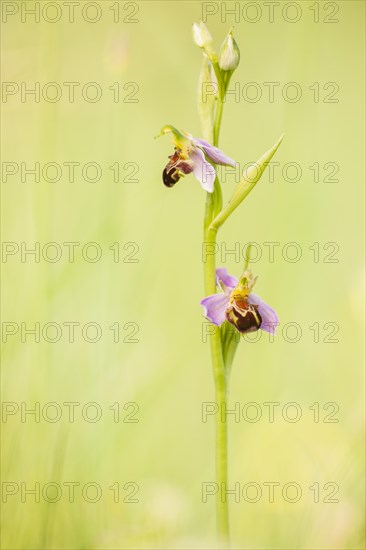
(229, 302)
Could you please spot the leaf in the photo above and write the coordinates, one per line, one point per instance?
(246, 184)
(230, 339)
(206, 98)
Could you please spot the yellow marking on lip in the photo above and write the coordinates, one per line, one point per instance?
(239, 292)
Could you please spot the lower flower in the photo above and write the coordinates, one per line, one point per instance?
(237, 304)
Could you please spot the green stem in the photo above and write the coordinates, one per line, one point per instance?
(218, 369)
(223, 85)
(220, 108)
(213, 208)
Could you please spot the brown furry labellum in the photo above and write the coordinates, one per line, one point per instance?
(243, 315)
(175, 169)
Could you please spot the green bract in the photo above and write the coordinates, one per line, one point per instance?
(244, 187)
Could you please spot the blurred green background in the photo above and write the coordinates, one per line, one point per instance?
(168, 453)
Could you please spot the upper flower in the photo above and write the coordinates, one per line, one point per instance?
(201, 35)
(230, 54)
(238, 305)
(190, 155)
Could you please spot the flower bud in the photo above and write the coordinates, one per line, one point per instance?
(201, 35)
(229, 54)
